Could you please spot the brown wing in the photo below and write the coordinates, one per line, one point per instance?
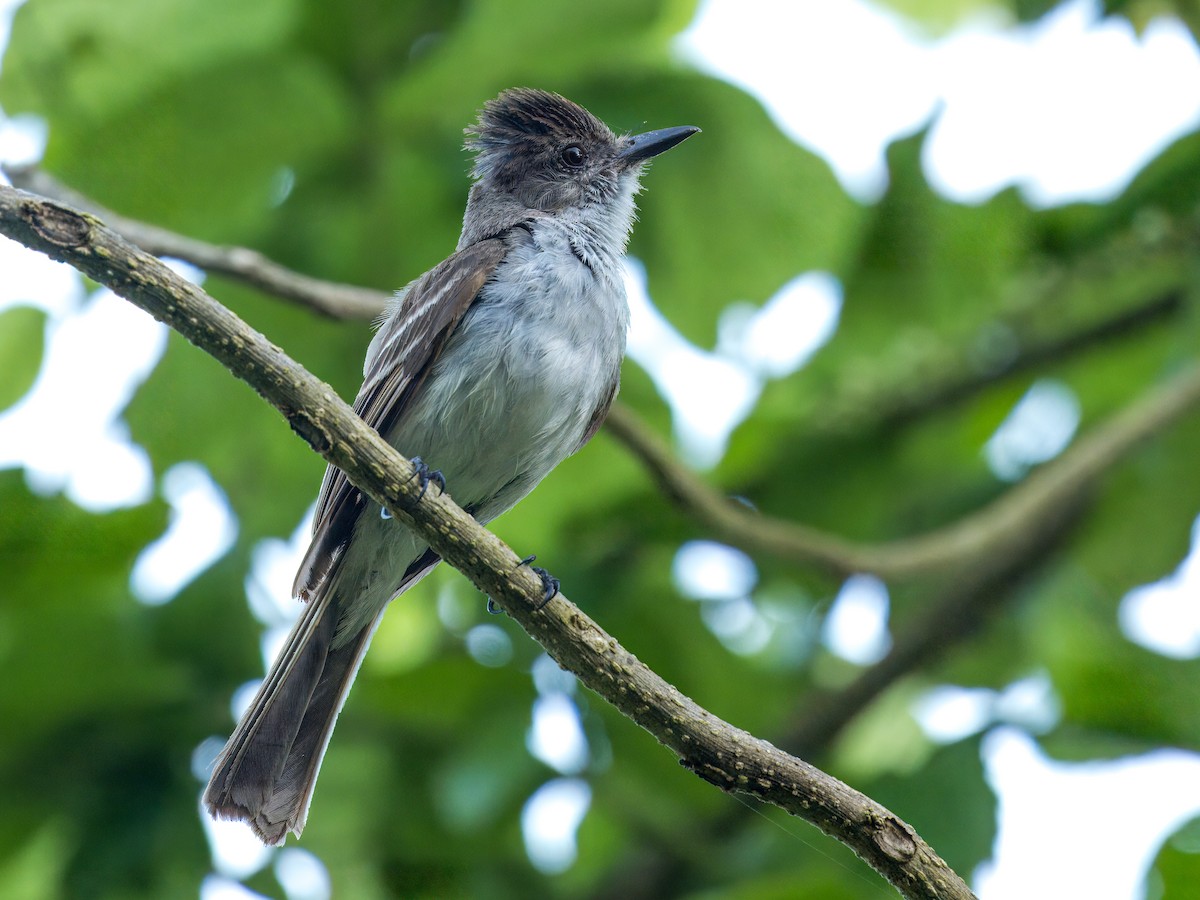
(599, 415)
(410, 342)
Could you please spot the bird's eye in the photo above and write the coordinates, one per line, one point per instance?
(573, 156)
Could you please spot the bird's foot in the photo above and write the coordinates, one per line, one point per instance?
(550, 586)
(425, 476)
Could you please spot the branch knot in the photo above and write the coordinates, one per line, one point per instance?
(310, 429)
(59, 225)
(895, 840)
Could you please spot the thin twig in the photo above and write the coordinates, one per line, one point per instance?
(338, 301)
(965, 381)
(721, 754)
(992, 531)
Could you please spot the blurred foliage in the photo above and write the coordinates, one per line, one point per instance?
(1176, 871)
(328, 136)
(938, 16)
(21, 349)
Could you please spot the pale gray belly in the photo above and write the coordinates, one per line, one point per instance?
(511, 396)
(507, 402)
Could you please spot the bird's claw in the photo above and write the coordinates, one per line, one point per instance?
(425, 475)
(550, 586)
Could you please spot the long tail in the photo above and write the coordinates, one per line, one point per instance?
(266, 773)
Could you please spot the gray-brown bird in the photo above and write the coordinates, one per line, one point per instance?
(491, 368)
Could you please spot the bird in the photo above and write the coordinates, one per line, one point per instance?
(488, 371)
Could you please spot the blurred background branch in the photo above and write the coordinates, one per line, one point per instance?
(998, 531)
(338, 301)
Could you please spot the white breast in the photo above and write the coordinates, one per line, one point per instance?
(521, 377)
(511, 396)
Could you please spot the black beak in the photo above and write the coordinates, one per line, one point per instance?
(641, 147)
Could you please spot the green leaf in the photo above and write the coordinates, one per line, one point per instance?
(939, 16)
(21, 344)
(1176, 870)
(96, 59)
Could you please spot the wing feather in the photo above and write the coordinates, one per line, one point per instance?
(409, 343)
(599, 414)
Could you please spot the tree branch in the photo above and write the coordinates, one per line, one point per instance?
(994, 530)
(721, 754)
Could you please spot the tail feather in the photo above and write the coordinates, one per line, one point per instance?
(287, 807)
(267, 771)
